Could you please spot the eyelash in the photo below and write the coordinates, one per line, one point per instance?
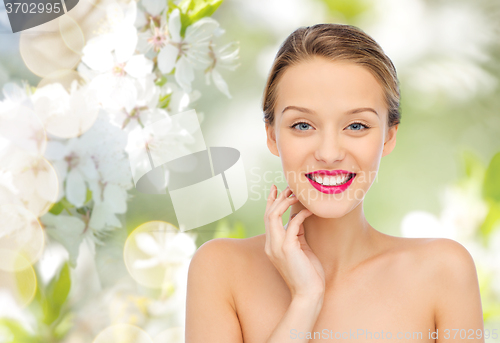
(357, 122)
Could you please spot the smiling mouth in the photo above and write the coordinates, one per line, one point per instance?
(331, 181)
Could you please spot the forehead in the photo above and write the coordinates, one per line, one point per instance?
(321, 84)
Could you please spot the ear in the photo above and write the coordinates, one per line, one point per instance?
(271, 140)
(390, 142)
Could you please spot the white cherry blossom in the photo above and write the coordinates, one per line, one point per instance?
(164, 248)
(178, 100)
(118, 34)
(189, 52)
(131, 80)
(67, 230)
(111, 55)
(66, 114)
(144, 110)
(154, 7)
(223, 57)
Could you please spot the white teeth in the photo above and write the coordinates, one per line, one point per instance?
(331, 180)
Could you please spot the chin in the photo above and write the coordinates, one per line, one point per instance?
(330, 209)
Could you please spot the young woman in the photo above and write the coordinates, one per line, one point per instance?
(331, 110)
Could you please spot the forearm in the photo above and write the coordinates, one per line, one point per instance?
(300, 316)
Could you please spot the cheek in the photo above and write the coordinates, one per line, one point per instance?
(293, 153)
(291, 150)
(368, 150)
(367, 153)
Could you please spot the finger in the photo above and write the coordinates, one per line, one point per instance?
(286, 192)
(291, 217)
(286, 200)
(274, 217)
(294, 225)
(302, 238)
(283, 196)
(281, 207)
(270, 199)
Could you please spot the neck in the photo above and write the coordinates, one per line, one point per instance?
(339, 243)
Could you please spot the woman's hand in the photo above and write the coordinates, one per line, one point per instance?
(287, 248)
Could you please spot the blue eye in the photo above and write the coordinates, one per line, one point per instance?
(358, 125)
(302, 125)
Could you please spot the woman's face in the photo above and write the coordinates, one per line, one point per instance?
(330, 116)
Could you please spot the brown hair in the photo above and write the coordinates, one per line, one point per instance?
(334, 42)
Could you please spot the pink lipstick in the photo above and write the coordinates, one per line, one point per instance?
(327, 189)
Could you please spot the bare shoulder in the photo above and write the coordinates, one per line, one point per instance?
(438, 261)
(212, 262)
(452, 283)
(220, 257)
(445, 248)
(434, 256)
(448, 261)
(440, 254)
(229, 249)
(213, 275)
(438, 271)
(215, 258)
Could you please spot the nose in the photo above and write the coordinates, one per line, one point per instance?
(330, 148)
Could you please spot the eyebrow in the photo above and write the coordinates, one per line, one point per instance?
(307, 110)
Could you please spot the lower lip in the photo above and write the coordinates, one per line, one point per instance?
(331, 189)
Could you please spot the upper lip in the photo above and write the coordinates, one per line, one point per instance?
(331, 172)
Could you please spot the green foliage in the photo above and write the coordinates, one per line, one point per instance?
(491, 185)
(56, 293)
(89, 196)
(203, 8)
(349, 9)
(223, 230)
(15, 332)
(164, 101)
(63, 326)
(49, 300)
(491, 194)
(491, 307)
(48, 307)
(56, 208)
(491, 220)
(63, 204)
(161, 81)
(193, 10)
(473, 165)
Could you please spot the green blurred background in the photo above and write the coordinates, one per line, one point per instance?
(447, 54)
